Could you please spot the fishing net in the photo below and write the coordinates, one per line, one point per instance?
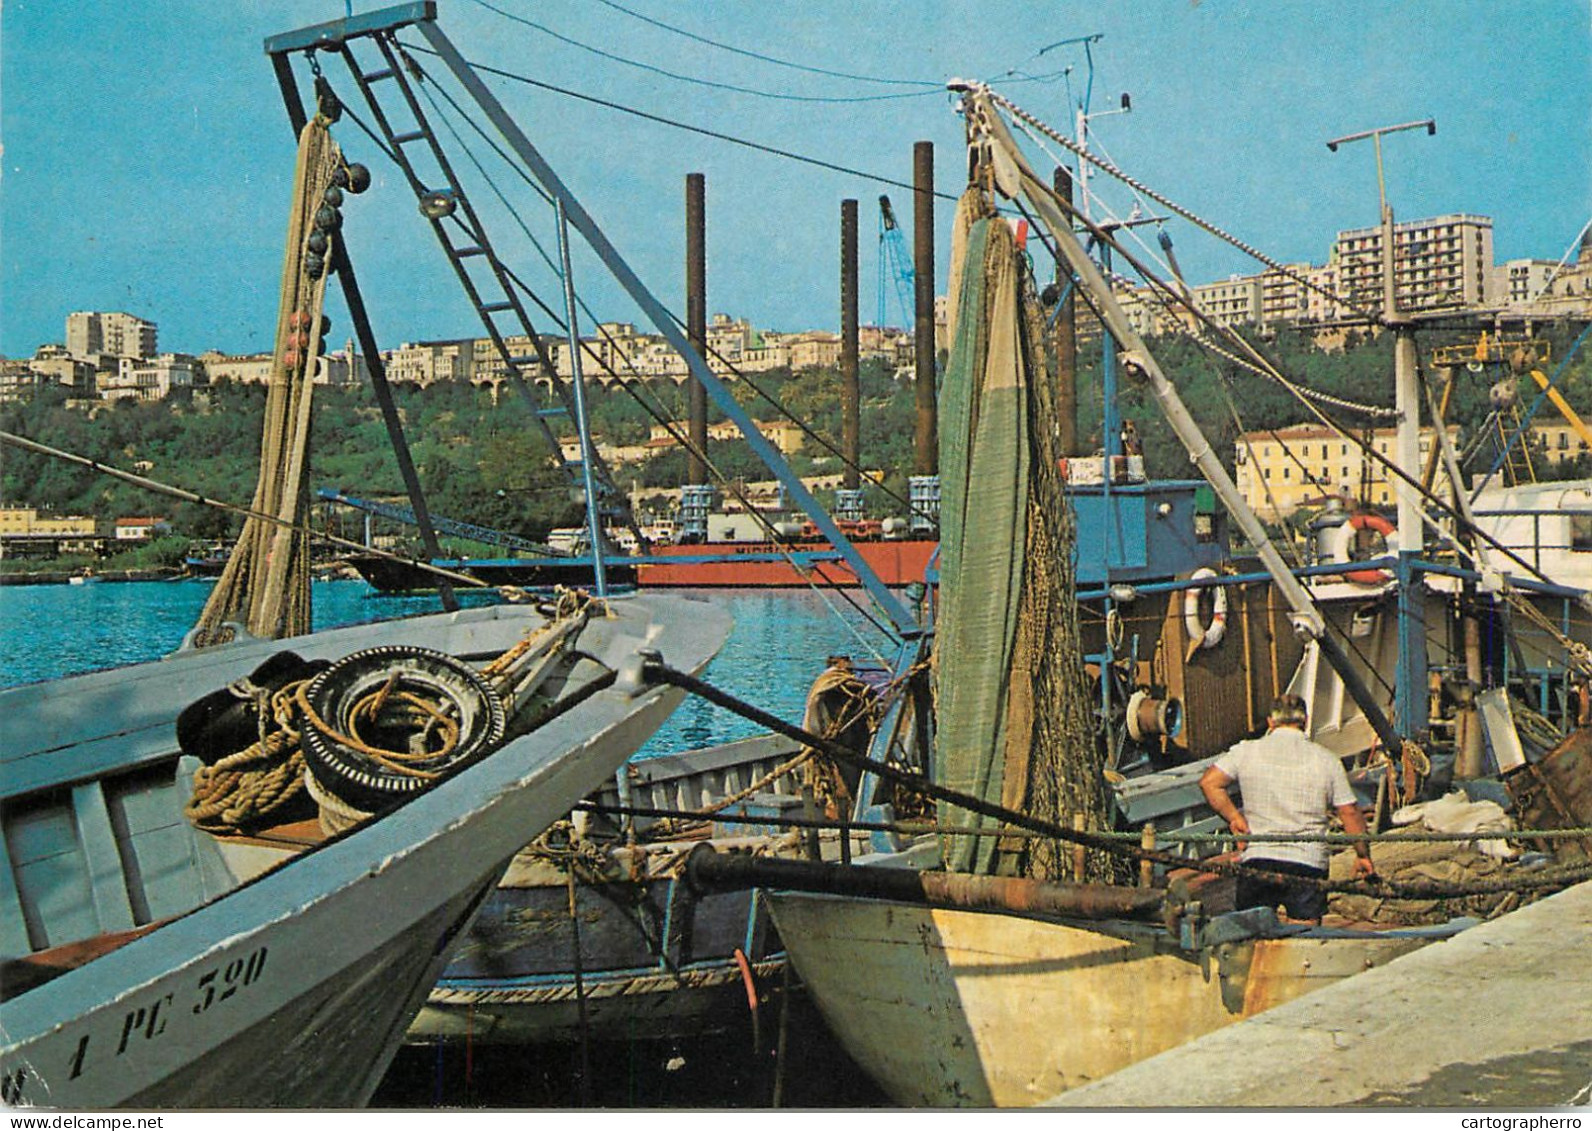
(265, 585)
(1011, 702)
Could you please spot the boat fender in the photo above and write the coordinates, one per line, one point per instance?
(386, 723)
(1205, 635)
(228, 720)
(1373, 522)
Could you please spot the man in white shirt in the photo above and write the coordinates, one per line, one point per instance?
(1289, 786)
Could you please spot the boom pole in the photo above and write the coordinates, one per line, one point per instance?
(1014, 176)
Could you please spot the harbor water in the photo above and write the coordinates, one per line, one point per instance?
(779, 644)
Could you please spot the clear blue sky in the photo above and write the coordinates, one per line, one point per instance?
(147, 159)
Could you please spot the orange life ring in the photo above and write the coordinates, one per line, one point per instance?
(1366, 520)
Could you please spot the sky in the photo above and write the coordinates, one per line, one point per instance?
(147, 159)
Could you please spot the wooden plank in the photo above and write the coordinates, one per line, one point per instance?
(13, 926)
(107, 881)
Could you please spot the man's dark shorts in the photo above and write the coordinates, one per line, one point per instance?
(1301, 901)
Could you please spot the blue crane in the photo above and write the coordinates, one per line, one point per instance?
(894, 263)
(451, 526)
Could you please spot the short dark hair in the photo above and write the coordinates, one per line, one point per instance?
(1288, 711)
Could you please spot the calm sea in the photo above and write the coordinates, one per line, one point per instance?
(779, 644)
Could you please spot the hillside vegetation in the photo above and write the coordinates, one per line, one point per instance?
(482, 462)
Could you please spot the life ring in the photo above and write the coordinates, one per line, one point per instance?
(1365, 520)
(1205, 636)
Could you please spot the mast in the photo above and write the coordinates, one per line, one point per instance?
(1014, 176)
(899, 616)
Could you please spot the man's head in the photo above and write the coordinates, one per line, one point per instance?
(1287, 711)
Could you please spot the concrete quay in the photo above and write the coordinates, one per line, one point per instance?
(1498, 1016)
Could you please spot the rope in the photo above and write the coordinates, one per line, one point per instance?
(917, 782)
(240, 791)
(1139, 187)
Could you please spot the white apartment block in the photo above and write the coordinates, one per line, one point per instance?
(1284, 297)
(1520, 281)
(1439, 263)
(1234, 301)
(424, 363)
(91, 332)
(151, 380)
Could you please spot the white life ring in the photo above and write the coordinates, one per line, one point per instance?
(1207, 636)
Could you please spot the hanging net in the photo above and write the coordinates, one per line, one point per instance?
(1013, 719)
(265, 586)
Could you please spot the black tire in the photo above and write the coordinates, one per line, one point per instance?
(365, 783)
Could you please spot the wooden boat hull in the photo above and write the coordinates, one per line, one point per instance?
(764, 565)
(642, 956)
(953, 1008)
(655, 962)
(293, 988)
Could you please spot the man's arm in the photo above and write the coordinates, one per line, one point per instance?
(1354, 824)
(1214, 784)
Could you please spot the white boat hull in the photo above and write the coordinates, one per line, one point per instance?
(953, 1008)
(295, 988)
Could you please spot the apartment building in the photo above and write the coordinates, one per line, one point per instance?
(1278, 472)
(813, 350)
(1235, 301)
(92, 332)
(150, 380)
(1284, 297)
(1519, 281)
(1439, 263)
(425, 363)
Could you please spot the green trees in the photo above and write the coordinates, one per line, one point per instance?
(486, 463)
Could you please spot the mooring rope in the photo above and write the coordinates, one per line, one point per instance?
(1540, 879)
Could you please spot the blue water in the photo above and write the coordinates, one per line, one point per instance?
(779, 643)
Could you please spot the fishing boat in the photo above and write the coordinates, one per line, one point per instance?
(232, 874)
(593, 934)
(1016, 956)
(512, 980)
(150, 964)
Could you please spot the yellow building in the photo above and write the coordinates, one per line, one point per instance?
(28, 521)
(1556, 441)
(1301, 465)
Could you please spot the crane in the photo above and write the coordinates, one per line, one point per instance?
(894, 263)
(458, 529)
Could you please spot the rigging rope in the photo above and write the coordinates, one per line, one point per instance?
(1105, 842)
(731, 87)
(1205, 225)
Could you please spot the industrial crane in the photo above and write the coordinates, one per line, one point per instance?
(894, 263)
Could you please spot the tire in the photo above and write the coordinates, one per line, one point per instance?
(360, 780)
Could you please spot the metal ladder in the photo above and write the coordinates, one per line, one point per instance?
(1516, 467)
(464, 241)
